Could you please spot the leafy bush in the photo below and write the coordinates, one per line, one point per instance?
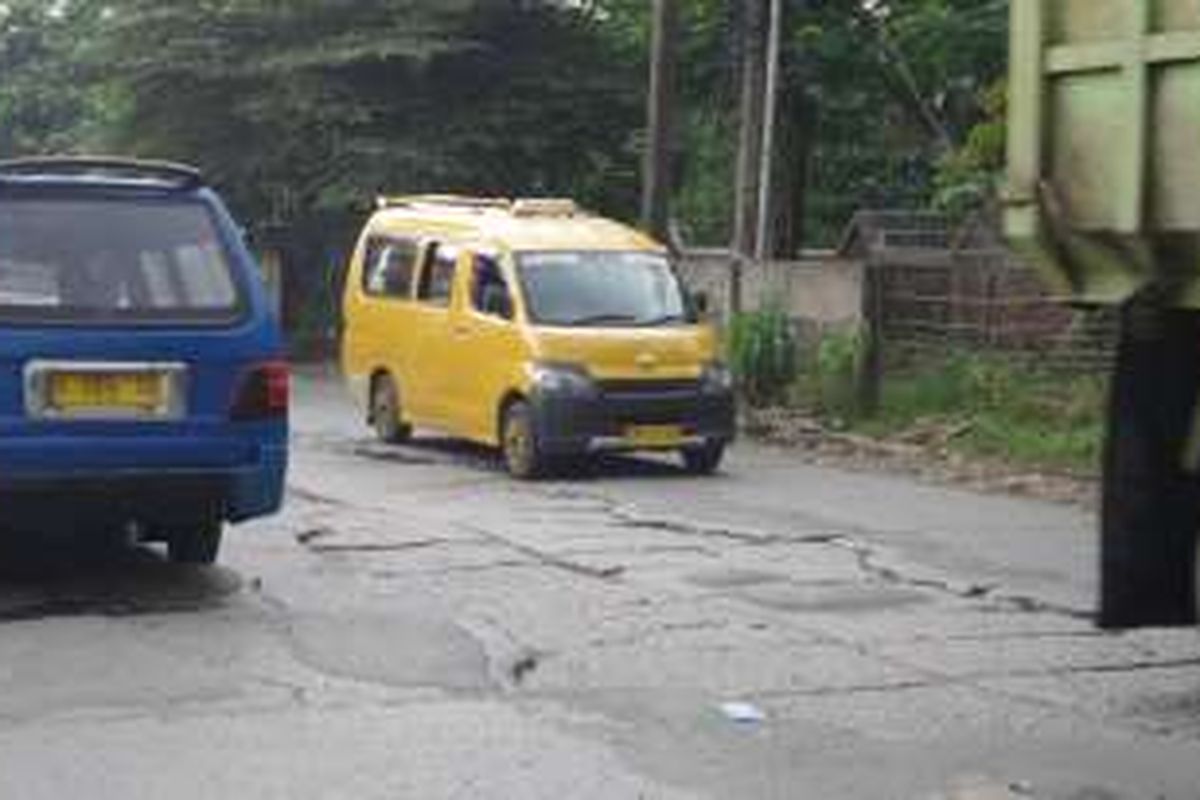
(762, 349)
(838, 364)
(968, 177)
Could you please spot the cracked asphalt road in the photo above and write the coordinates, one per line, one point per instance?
(415, 625)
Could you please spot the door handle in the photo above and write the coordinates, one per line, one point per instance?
(462, 329)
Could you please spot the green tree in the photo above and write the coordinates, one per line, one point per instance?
(301, 112)
(45, 103)
(891, 86)
(315, 105)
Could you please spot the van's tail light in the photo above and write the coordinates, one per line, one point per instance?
(262, 393)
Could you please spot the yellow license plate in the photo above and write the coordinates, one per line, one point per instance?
(654, 435)
(141, 392)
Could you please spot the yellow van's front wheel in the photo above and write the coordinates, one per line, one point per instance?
(522, 455)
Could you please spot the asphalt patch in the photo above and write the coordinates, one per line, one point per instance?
(392, 650)
(734, 578)
(835, 598)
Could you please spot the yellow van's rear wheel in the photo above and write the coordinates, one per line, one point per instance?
(523, 457)
(385, 411)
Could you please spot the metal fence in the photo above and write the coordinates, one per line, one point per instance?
(933, 287)
(986, 301)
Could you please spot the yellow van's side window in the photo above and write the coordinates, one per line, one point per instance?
(437, 279)
(489, 290)
(388, 267)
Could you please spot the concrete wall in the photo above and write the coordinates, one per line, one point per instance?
(820, 290)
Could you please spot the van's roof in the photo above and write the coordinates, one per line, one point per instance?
(518, 225)
(112, 172)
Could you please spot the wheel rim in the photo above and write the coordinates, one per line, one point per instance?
(384, 413)
(517, 444)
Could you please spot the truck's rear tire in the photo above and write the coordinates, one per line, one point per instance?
(1151, 502)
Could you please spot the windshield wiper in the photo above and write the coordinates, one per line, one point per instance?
(600, 319)
(665, 319)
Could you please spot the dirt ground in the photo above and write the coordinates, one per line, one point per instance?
(923, 452)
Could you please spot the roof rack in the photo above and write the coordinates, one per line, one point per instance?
(181, 176)
(446, 200)
(520, 207)
(544, 207)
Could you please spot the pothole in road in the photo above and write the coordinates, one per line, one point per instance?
(1177, 713)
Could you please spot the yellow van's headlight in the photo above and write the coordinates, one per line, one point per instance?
(561, 378)
(717, 377)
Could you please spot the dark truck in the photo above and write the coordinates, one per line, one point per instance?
(1104, 196)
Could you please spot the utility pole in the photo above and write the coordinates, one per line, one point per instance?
(764, 240)
(745, 218)
(656, 176)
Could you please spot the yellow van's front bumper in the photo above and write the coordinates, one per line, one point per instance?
(633, 415)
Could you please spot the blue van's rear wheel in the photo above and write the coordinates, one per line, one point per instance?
(197, 543)
(703, 460)
(385, 411)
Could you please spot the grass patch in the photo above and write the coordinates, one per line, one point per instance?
(977, 405)
(999, 408)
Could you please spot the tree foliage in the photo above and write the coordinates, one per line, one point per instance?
(44, 103)
(308, 108)
(882, 90)
(319, 104)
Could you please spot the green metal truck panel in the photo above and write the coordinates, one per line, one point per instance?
(1104, 146)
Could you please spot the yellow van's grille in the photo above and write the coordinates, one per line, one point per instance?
(644, 387)
(656, 402)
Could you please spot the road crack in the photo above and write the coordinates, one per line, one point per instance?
(625, 516)
(867, 557)
(378, 547)
(605, 573)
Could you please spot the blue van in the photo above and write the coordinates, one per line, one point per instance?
(142, 383)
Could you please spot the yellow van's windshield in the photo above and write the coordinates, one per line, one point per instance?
(601, 288)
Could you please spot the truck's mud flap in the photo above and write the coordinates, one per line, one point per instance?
(1151, 503)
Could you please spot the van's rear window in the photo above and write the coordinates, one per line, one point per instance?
(113, 261)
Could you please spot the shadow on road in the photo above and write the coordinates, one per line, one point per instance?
(60, 578)
(427, 450)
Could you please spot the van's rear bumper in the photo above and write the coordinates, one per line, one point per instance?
(164, 483)
(571, 424)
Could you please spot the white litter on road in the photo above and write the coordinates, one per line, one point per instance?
(743, 713)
